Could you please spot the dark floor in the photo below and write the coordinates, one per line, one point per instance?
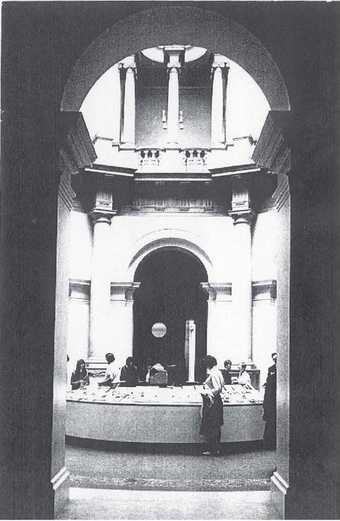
(240, 467)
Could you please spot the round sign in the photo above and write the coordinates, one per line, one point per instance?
(158, 330)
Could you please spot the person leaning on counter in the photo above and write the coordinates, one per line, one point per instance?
(129, 373)
(80, 376)
(112, 372)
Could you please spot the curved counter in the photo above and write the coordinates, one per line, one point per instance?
(159, 415)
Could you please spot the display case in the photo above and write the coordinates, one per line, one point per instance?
(159, 414)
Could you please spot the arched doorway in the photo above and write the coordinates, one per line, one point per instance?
(170, 293)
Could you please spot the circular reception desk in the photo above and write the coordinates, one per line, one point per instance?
(159, 415)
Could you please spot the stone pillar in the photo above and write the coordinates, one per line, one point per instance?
(242, 272)
(129, 103)
(100, 280)
(117, 102)
(228, 136)
(122, 298)
(217, 104)
(218, 320)
(173, 53)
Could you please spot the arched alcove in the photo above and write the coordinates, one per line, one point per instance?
(170, 293)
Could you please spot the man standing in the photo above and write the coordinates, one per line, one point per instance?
(226, 372)
(269, 407)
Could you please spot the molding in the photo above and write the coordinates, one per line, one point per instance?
(79, 289)
(60, 486)
(76, 148)
(217, 291)
(272, 151)
(279, 490)
(264, 290)
(281, 193)
(65, 191)
(123, 291)
(59, 478)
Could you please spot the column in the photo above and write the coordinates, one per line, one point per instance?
(129, 103)
(219, 320)
(121, 333)
(117, 101)
(242, 271)
(217, 116)
(173, 53)
(228, 136)
(100, 280)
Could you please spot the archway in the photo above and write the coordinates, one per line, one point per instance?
(170, 293)
(170, 24)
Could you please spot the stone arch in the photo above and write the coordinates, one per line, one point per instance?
(169, 24)
(169, 242)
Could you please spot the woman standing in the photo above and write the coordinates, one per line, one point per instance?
(80, 376)
(212, 408)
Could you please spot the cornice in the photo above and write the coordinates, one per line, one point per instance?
(79, 289)
(264, 290)
(220, 291)
(272, 150)
(76, 150)
(123, 291)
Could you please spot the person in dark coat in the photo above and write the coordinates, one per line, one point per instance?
(269, 407)
(129, 373)
(226, 372)
(212, 408)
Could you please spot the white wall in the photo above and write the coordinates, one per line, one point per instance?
(212, 234)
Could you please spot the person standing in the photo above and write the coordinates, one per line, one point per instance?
(269, 407)
(112, 372)
(212, 407)
(129, 373)
(226, 372)
(244, 377)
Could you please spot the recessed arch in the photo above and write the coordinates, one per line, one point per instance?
(169, 242)
(169, 24)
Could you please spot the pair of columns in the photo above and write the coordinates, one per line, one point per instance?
(174, 54)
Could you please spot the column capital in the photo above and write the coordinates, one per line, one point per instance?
(103, 209)
(241, 210)
(242, 216)
(220, 62)
(174, 56)
(102, 216)
(219, 291)
(123, 291)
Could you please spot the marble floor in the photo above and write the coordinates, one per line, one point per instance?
(87, 503)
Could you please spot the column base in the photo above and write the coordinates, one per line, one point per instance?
(60, 488)
(279, 489)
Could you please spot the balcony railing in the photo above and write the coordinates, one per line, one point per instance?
(188, 159)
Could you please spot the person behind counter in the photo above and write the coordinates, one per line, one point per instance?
(269, 407)
(129, 373)
(243, 377)
(212, 407)
(80, 376)
(112, 372)
(226, 372)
